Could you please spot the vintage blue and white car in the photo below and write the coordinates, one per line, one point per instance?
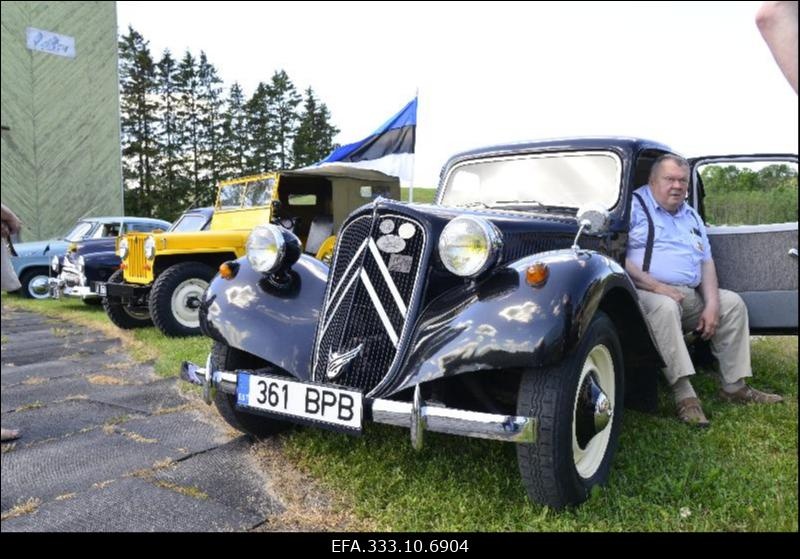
(91, 262)
(34, 259)
(502, 311)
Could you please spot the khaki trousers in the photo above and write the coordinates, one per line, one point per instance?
(669, 320)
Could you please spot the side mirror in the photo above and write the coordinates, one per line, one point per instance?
(592, 219)
(276, 206)
(597, 216)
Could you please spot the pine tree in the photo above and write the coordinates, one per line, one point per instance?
(262, 145)
(234, 135)
(210, 110)
(314, 139)
(171, 174)
(283, 118)
(189, 130)
(138, 122)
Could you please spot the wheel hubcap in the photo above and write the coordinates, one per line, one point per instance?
(594, 411)
(186, 302)
(38, 287)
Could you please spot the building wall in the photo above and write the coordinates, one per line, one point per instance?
(61, 154)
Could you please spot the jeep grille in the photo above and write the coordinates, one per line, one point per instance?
(135, 272)
(369, 300)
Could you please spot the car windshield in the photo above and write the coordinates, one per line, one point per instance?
(81, 230)
(246, 194)
(553, 180)
(188, 223)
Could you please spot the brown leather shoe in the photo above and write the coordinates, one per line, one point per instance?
(691, 412)
(749, 395)
(8, 434)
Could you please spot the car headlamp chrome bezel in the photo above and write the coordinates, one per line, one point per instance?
(491, 239)
(122, 248)
(150, 248)
(272, 249)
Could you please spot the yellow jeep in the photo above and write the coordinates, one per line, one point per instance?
(162, 276)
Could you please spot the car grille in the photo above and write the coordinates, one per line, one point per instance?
(369, 300)
(135, 271)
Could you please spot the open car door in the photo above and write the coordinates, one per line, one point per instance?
(749, 205)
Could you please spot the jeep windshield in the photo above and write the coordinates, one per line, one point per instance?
(247, 194)
(557, 181)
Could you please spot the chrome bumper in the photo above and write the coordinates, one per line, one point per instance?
(58, 287)
(416, 416)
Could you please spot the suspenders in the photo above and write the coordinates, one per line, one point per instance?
(648, 251)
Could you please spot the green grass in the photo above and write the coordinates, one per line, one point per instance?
(421, 195)
(739, 475)
(747, 208)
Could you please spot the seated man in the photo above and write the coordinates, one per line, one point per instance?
(669, 261)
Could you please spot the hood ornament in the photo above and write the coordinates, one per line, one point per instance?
(338, 361)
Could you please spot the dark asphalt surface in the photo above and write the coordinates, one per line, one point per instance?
(109, 446)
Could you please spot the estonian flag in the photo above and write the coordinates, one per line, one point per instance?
(390, 149)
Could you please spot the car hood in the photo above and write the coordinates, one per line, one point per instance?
(41, 248)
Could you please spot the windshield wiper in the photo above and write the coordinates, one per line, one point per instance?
(527, 203)
(517, 203)
(473, 205)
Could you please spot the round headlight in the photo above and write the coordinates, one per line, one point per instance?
(469, 245)
(122, 249)
(150, 248)
(54, 263)
(270, 248)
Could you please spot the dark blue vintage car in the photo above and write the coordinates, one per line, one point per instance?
(92, 261)
(503, 311)
(34, 259)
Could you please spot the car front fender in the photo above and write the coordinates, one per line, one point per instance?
(503, 322)
(277, 324)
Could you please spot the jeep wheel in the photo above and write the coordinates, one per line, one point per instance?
(229, 359)
(175, 299)
(122, 315)
(579, 407)
(35, 283)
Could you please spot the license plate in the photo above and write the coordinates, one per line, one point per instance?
(101, 289)
(316, 403)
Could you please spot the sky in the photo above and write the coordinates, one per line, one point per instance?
(696, 76)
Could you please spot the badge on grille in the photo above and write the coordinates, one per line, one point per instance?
(338, 361)
(400, 263)
(391, 243)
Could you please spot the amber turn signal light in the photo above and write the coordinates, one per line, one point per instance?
(227, 270)
(536, 275)
(123, 266)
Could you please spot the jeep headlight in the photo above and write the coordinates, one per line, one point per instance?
(150, 248)
(469, 245)
(54, 263)
(271, 248)
(122, 248)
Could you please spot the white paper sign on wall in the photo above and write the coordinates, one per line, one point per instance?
(53, 43)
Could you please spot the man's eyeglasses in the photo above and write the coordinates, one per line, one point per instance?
(683, 181)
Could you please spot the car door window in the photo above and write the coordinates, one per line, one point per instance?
(748, 193)
(749, 204)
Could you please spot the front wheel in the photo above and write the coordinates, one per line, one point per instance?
(175, 299)
(227, 358)
(35, 283)
(125, 316)
(579, 407)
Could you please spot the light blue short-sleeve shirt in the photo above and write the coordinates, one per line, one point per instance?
(680, 242)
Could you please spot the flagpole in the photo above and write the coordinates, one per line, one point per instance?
(414, 158)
